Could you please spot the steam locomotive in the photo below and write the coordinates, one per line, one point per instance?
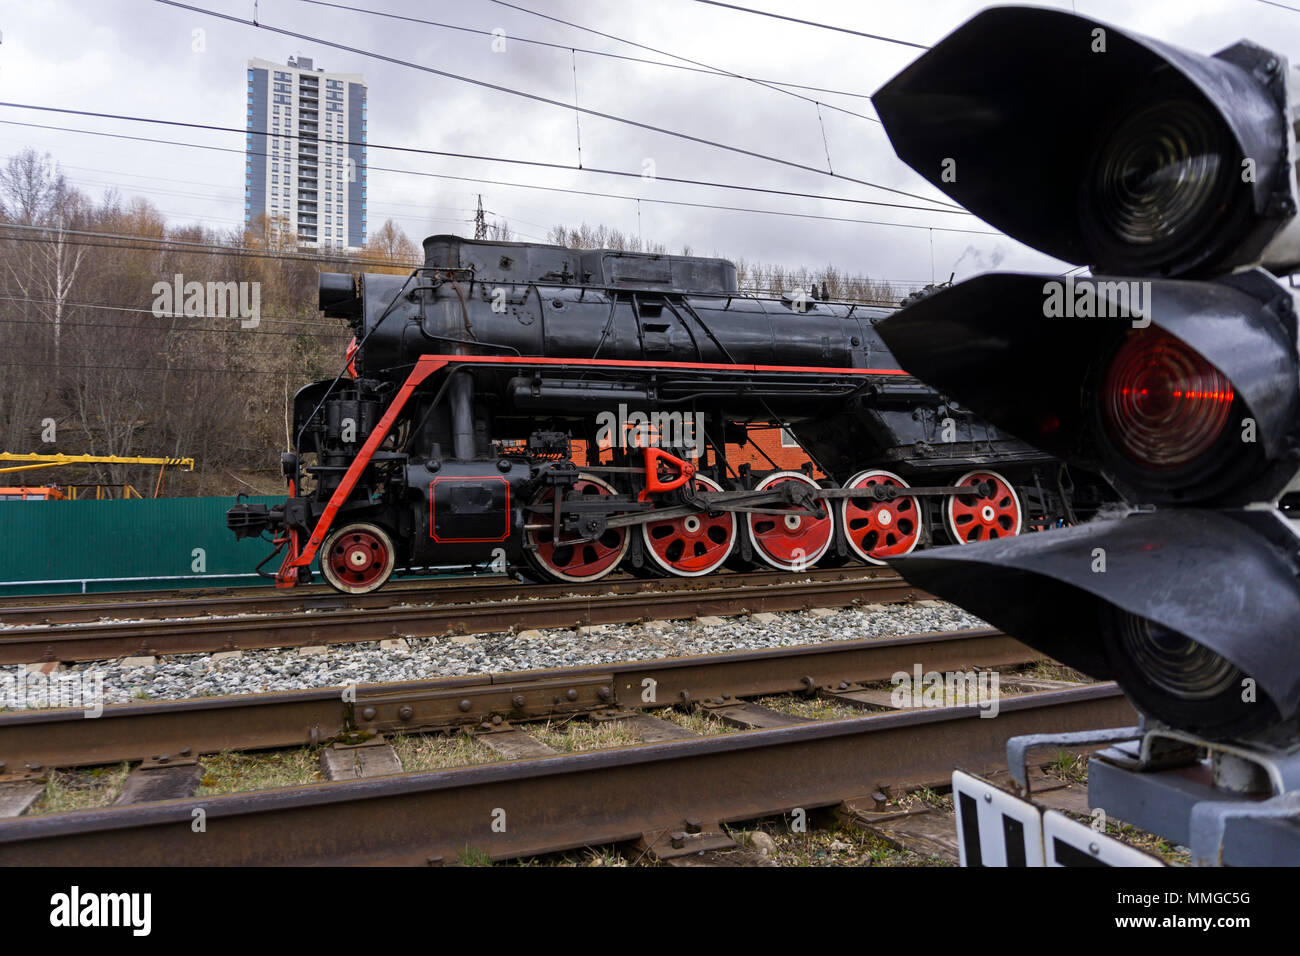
(559, 413)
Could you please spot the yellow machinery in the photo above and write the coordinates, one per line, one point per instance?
(10, 462)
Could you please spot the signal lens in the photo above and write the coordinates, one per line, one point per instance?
(1174, 663)
(1158, 185)
(1163, 406)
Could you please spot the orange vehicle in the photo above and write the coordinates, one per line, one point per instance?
(23, 493)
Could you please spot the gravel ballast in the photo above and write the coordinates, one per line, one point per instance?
(199, 675)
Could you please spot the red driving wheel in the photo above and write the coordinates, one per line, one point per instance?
(876, 530)
(573, 560)
(357, 558)
(790, 542)
(694, 544)
(977, 517)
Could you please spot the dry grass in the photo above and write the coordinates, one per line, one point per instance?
(699, 722)
(240, 772)
(587, 856)
(813, 708)
(572, 736)
(836, 845)
(1050, 670)
(422, 752)
(80, 789)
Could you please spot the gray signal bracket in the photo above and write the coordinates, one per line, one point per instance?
(1231, 804)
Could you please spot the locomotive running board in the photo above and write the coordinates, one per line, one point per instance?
(427, 365)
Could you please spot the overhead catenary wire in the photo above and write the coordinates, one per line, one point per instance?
(675, 56)
(538, 98)
(814, 23)
(515, 38)
(566, 167)
(1283, 6)
(506, 183)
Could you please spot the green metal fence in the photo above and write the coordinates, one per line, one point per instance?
(58, 547)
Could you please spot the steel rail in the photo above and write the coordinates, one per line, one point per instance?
(524, 807)
(35, 739)
(22, 610)
(101, 641)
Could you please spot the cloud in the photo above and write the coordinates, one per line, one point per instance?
(124, 56)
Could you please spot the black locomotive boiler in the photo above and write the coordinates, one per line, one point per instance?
(563, 412)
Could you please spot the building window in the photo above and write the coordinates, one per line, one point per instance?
(787, 439)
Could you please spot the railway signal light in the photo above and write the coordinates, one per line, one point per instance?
(1176, 164)
(1173, 371)
(1194, 401)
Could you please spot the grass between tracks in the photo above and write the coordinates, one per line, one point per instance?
(823, 840)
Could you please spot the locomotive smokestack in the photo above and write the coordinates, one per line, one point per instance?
(338, 295)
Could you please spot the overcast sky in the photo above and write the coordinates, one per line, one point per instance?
(141, 58)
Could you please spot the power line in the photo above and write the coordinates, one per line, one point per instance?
(1272, 3)
(245, 252)
(557, 189)
(822, 26)
(231, 198)
(535, 97)
(768, 274)
(675, 56)
(514, 38)
(127, 368)
(626, 174)
(327, 330)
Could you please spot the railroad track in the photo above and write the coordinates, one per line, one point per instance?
(502, 609)
(670, 794)
(225, 602)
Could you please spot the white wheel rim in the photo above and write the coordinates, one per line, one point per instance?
(843, 514)
(558, 575)
(327, 570)
(771, 560)
(665, 565)
(986, 512)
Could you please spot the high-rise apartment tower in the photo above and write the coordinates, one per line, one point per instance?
(305, 163)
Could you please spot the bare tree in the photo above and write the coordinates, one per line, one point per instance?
(389, 245)
(31, 186)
